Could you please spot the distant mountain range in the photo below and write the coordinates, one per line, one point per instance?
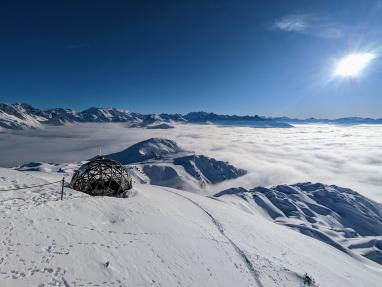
(20, 116)
(339, 121)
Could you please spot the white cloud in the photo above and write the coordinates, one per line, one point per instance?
(345, 156)
(309, 24)
(292, 23)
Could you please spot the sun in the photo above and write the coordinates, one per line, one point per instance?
(352, 65)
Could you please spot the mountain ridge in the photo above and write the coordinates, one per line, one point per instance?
(21, 116)
(338, 216)
(164, 163)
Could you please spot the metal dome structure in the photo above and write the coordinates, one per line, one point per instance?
(102, 177)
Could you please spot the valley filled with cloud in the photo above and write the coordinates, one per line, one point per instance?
(348, 156)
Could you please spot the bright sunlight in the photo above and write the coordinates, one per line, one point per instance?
(352, 65)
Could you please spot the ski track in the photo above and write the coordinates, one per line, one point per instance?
(219, 226)
(40, 266)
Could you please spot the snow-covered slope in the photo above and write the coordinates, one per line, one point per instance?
(163, 162)
(337, 216)
(156, 237)
(67, 169)
(153, 148)
(170, 175)
(108, 115)
(207, 169)
(19, 116)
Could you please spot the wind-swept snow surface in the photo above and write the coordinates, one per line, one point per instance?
(337, 216)
(156, 237)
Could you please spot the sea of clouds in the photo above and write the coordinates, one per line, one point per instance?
(348, 156)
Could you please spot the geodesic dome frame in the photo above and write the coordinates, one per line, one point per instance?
(102, 177)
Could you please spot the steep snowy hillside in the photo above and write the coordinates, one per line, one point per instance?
(108, 115)
(19, 116)
(61, 116)
(207, 169)
(156, 237)
(337, 216)
(163, 162)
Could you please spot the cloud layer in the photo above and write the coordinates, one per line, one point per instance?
(346, 156)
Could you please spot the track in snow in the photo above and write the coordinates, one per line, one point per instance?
(219, 226)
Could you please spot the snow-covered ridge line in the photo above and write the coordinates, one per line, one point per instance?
(335, 215)
(19, 116)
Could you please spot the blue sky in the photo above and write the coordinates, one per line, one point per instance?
(235, 57)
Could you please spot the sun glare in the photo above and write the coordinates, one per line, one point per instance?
(352, 65)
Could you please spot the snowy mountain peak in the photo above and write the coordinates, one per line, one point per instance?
(172, 117)
(19, 116)
(153, 148)
(105, 115)
(158, 147)
(164, 163)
